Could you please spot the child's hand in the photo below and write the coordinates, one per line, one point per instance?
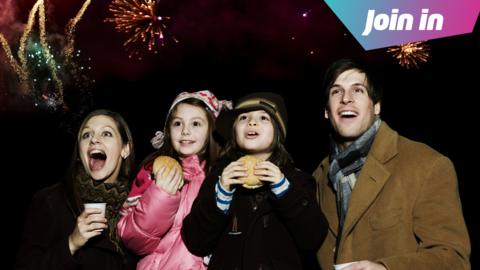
(170, 183)
(267, 171)
(231, 173)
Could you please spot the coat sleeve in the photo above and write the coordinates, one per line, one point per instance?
(205, 224)
(42, 247)
(300, 212)
(144, 225)
(438, 224)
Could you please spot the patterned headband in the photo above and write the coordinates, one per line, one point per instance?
(208, 98)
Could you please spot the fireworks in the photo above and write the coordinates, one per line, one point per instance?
(49, 59)
(70, 31)
(22, 75)
(139, 19)
(40, 75)
(411, 54)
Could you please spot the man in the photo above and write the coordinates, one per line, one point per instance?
(391, 203)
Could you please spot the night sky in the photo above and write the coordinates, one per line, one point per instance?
(231, 47)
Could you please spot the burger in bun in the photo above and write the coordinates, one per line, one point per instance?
(251, 181)
(167, 162)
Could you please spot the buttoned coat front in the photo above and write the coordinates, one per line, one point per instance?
(404, 210)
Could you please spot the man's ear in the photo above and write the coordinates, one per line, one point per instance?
(377, 108)
(326, 113)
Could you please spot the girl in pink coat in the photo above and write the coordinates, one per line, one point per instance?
(152, 215)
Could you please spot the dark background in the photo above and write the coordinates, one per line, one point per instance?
(232, 48)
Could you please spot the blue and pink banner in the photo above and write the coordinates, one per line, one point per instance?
(384, 23)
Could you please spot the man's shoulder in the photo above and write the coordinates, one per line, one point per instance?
(416, 148)
(403, 151)
(321, 169)
(393, 142)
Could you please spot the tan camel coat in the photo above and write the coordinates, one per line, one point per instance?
(404, 211)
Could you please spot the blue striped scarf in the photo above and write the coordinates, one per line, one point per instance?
(346, 165)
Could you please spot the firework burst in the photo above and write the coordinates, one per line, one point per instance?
(50, 60)
(411, 54)
(43, 67)
(70, 31)
(139, 19)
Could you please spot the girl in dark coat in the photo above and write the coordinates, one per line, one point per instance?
(273, 226)
(59, 232)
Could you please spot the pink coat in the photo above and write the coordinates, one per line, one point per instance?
(152, 221)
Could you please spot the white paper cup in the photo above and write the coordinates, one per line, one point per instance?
(341, 266)
(100, 206)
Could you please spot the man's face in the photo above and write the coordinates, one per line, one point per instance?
(350, 109)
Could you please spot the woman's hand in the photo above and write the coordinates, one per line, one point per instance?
(90, 223)
(170, 183)
(231, 173)
(269, 172)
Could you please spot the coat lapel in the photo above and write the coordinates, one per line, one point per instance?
(373, 176)
(369, 184)
(326, 196)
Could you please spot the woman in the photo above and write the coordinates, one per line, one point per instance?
(59, 232)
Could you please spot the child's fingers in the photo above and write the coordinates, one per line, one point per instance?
(173, 180)
(237, 182)
(234, 171)
(266, 168)
(160, 172)
(234, 175)
(232, 179)
(270, 179)
(237, 174)
(172, 173)
(267, 175)
(178, 180)
(235, 164)
(267, 165)
(263, 172)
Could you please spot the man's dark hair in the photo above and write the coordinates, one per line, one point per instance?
(344, 64)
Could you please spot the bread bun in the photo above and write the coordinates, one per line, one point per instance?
(251, 181)
(166, 161)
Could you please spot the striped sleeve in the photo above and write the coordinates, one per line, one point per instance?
(223, 197)
(280, 188)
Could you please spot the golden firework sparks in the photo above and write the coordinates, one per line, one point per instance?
(411, 54)
(21, 69)
(14, 63)
(22, 53)
(139, 19)
(70, 31)
(46, 50)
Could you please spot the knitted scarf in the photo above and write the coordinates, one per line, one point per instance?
(114, 194)
(346, 165)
